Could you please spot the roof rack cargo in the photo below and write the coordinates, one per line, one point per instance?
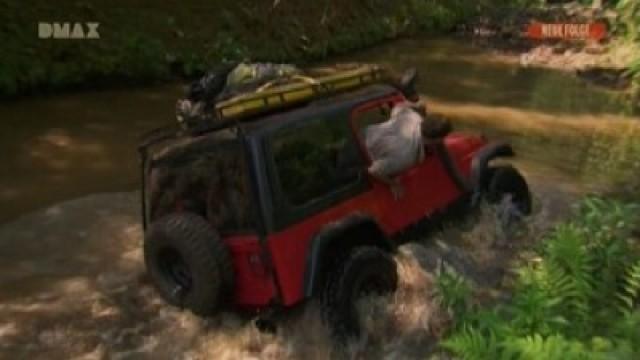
(269, 98)
(272, 97)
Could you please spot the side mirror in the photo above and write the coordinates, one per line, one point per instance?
(408, 84)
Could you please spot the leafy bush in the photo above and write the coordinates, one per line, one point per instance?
(629, 25)
(579, 300)
(453, 292)
(630, 18)
(141, 57)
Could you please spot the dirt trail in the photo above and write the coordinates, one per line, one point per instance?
(75, 288)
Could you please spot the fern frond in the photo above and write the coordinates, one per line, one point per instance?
(453, 292)
(602, 220)
(579, 300)
(533, 310)
(554, 347)
(625, 330)
(630, 293)
(567, 274)
(472, 344)
(493, 322)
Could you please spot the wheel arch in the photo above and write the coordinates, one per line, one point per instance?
(338, 238)
(480, 170)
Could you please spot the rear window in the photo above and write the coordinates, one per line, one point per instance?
(207, 176)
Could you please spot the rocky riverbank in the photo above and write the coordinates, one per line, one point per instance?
(601, 62)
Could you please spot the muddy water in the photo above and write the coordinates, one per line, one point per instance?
(565, 132)
(72, 282)
(63, 147)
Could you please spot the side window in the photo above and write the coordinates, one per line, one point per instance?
(316, 160)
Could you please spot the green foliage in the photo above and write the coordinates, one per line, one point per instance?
(634, 73)
(139, 57)
(630, 18)
(433, 15)
(193, 38)
(470, 343)
(453, 292)
(579, 300)
(630, 293)
(554, 347)
(533, 310)
(227, 48)
(224, 49)
(629, 26)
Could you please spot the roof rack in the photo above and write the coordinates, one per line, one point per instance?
(272, 97)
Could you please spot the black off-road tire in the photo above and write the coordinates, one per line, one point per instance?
(507, 180)
(366, 269)
(188, 263)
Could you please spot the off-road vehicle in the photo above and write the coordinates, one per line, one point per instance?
(270, 204)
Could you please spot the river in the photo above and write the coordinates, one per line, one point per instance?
(72, 279)
(63, 147)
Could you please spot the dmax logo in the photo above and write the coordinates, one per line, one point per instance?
(68, 30)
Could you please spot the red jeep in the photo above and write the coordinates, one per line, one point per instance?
(270, 212)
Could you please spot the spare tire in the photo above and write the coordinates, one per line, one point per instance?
(188, 262)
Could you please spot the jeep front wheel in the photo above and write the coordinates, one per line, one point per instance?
(188, 263)
(507, 184)
(367, 270)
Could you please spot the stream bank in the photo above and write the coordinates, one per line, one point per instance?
(603, 62)
(149, 41)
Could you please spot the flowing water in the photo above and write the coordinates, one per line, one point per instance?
(72, 278)
(66, 146)
(63, 147)
(565, 132)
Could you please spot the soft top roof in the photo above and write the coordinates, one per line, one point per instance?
(340, 102)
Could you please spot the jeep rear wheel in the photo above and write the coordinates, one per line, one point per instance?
(366, 271)
(188, 262)
(507, 184)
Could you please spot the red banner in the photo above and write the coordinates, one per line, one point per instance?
(594, 31)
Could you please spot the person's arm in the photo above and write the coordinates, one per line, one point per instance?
(376, 170)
